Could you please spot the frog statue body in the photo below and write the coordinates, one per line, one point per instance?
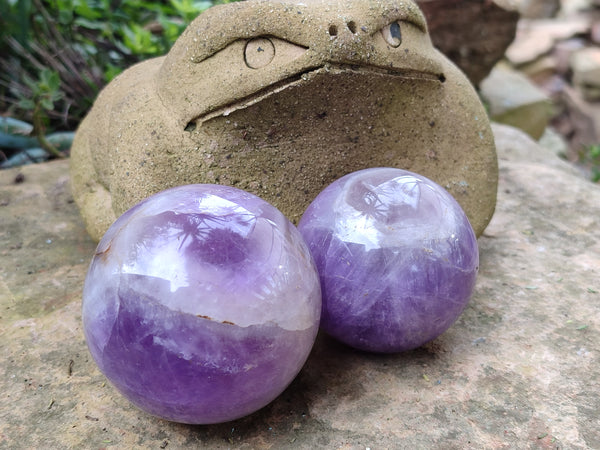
(280, 98)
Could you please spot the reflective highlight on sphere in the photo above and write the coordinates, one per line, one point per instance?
(201, 304)
(396, 255)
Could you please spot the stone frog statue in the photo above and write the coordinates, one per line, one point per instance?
(280, 98)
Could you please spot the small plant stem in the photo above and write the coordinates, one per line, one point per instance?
(39, 132)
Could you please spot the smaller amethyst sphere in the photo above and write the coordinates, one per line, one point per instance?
(201, 304)
(396, 255)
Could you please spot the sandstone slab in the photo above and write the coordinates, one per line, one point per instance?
(520, 369)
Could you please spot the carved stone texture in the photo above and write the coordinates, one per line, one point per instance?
(474, 34)
(280, 99)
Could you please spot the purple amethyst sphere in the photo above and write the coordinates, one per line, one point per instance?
(201, 304)
(396, 255)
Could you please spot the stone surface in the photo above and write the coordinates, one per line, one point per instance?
(514, 100)
(541, 70)
(396, 256)
(472, 33)
(201, 304)
(519, 369)
(338, 95)
(536, 9)
(584, 118)
(537, 37)
(553, 141)
(559, 57)
(595, 33)
(562, 54)
(585, 64)
(570, 7)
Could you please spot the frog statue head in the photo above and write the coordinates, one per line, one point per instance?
(280, 98)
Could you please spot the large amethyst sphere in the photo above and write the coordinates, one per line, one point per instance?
(396, 255)
(201, 304)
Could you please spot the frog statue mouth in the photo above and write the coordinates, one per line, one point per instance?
(329, 70)
(206, 75)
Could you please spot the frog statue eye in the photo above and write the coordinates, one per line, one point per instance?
(259, 52)
(392, 34)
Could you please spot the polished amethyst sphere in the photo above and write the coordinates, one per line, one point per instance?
(396, 255)
(201, 304)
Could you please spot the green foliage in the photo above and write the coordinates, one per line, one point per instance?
(14, 19)
(590, 156)
(45, 90)
(58, 54)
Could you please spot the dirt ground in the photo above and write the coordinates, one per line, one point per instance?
(520, 369)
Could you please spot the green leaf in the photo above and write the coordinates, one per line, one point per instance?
(83, 9)
(53, 80)
(139, 40)
(65, 16)
(202, 6)
(111, 72)
(47, 104)
(89, 24)
(26, 103)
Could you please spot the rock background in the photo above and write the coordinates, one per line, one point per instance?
(557, 52)
(520, 369)
(474, 34)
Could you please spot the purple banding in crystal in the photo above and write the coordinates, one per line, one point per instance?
(201, 304)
